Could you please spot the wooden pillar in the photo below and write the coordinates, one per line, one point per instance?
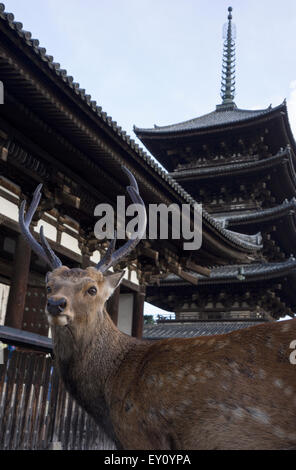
(138, 313)
(85, 261)
(18, 287)
(85, 252)
(113, 305)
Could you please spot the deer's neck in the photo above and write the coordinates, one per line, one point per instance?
(97, 349)
(87, 358)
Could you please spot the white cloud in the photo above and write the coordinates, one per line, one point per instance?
(150, 309)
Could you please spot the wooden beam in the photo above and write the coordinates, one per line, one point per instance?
(25, 339)
(18, 287)
(146, 251)
(183, 274)
(197, 268)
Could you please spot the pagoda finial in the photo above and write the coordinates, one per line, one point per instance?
(228, 64)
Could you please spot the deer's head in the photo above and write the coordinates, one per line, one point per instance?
(77, 296)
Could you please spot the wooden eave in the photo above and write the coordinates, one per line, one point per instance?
(282, 218)
(282, 162)
(212, 129)
(283, 273)
(253, 272)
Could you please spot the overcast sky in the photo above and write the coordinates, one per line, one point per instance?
(158, 62)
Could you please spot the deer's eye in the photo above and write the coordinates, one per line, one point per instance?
(92, 290)
(48, 289)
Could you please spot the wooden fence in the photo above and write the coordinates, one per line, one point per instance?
(36, 412)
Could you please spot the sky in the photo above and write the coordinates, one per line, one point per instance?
(159, 62)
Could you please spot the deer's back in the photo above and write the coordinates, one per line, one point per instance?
(236, 390)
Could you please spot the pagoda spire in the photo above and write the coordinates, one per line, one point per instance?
(228, 65)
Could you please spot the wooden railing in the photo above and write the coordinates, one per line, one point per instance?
(36, 412)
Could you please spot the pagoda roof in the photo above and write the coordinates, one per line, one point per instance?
(283, 156)
(215, 118)
(258, 215)
(282, 219)
(230, 273)
(166, 142)
(199, 328)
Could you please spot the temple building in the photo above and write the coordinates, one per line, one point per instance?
(240, 164)
(52, 132)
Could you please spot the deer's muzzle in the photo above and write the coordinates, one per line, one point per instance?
(56, 306)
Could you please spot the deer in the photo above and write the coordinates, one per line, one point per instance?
(228, 391)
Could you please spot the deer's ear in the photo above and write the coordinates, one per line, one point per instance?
(113, 281)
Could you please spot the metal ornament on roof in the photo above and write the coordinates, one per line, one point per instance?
(228, 63)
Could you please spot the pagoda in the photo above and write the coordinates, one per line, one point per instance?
(240, 164)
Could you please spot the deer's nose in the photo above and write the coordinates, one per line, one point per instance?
(56, 306)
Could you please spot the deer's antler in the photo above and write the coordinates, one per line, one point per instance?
(111, 257)
(43, 250)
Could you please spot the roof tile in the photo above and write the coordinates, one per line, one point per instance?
(191, 330)
(215, 118)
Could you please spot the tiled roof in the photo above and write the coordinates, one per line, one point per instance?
(286, 208)
(250, 240)
(185, 330)
(230, 273)
(213, 119)
(225, 169)
(55, 67)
